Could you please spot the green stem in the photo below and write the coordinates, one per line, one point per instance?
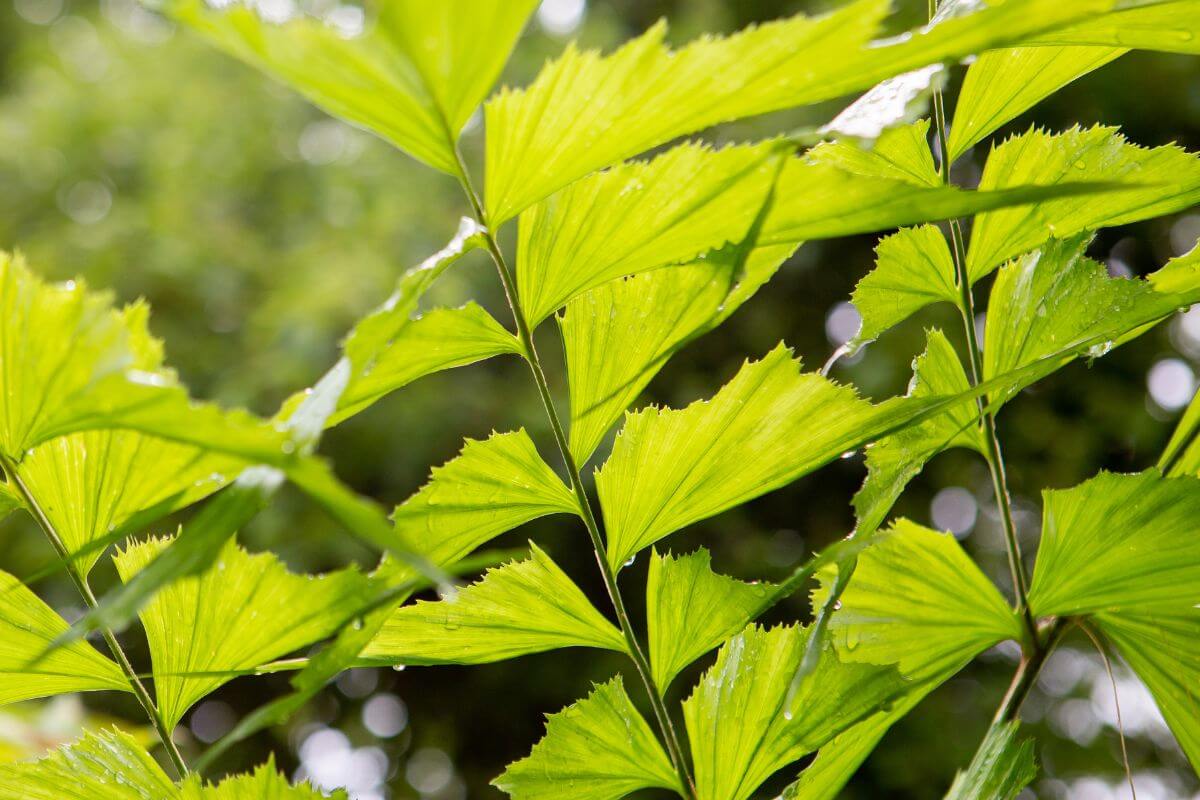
(991, 441)
(1027, 671)
(525, 336)
(80, 581)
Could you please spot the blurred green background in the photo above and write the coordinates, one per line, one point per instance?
(259, 229)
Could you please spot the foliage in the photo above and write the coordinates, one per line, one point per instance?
(99, 439)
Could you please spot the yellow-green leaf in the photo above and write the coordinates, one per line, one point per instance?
(740, 724)
(1002, 84)
(600, 748)
(243, 612)
(586, 111)
(492, 486)
(109, 765)
(918, 601)
(414, 75)
(913, 268)
(93, 485)
(690, 610)
(27, 628)
(522, 607)
(894, 461)
(1158, 181)
(1102, 538)
(637, 217)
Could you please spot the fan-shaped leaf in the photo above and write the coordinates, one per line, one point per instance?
(414, 76)
(901, 154)
(438, 340)
(1102, 538)
(896, 460)
(265, 783)
(491, 487)
(765, 428)
(637, 217)
(1002, 84)
(1055, 299)
(108, 765)
(600, 748)
(816, 200)
(1161, 646)
(520, 608)
(92, 486)
(244, 611)
(27, 627)
(585, 112)
(1159, 181)
(1172, 26)
(690, 610)
(740, 725)
(646, 319)
(913, 268)
(1002, 767)
(918, 601)
(837, 761)
(71, 362)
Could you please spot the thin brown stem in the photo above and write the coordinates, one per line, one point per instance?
(636, 653)
(110, 639)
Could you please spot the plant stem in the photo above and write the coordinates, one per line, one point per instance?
(80, 581)
(1027, 671)
(992, 453)
(525, 336)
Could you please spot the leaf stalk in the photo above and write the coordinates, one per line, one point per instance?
(992, 452)
(89, 598)
(586, 513)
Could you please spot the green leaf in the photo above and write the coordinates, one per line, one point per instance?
(1055, 298)
(438, 340)
(27, 627)
(670, 468)
(389, 348)
(817, 200)
(741, 728)
(1172, 26)
(520, 608)
(93, 485)
(108, 765)
(1002, 767)
(690, 610)
(918, 601)
(894, 461)
(9, 501)
(585, 112)
(392, 584)
(492, 486)
(265, 783)
(192, 552)
(1003, 84)
(1102, 538)
(637, 217)
(244, 611)
(414, 76)
(900, 154)
(837, 761)
(1159, 181)
(600, 748)
(1161, 646)
(72, 363)
(647, 318)
(913, 268)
